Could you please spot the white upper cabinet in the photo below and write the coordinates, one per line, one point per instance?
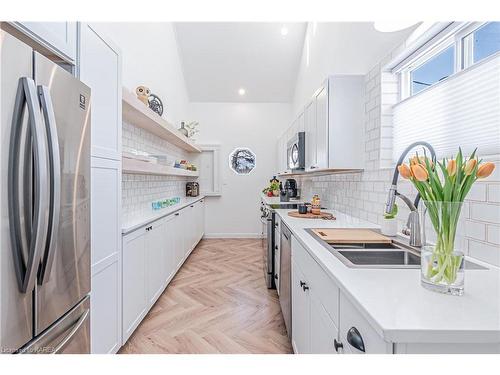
(333, 122)
(310, 129)
(100, 69)
(321, 100)
(346, 114)
(57, 37)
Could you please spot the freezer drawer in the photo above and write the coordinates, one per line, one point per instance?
(69, 335)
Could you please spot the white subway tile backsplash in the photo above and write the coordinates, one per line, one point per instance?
(485, 252)
(485, 212)
(138, 191)
(494, 234)
(476, 230)
(494, 193)
(477, 192)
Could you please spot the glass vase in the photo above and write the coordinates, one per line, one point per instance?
(443, 239)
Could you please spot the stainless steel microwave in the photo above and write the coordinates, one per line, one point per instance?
(296, 152)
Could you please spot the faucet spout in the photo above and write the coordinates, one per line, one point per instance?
(413, 226)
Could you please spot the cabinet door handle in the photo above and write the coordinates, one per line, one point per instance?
(302, 283)
(355, 340)
(191, 206)
(305, 287)
(177, 214)
(337, 345)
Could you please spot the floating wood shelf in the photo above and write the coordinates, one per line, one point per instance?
(143, 167)
(320, 172)
(137, 114)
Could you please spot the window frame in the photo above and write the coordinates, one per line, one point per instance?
(460, 35)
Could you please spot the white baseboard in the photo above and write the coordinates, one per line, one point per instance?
(232, 235)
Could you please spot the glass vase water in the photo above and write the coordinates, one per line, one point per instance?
(443, 239)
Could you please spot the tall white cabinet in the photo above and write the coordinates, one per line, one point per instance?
(100, 69)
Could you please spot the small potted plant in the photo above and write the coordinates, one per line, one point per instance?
(389, 226)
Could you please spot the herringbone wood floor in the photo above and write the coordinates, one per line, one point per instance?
(217, 303)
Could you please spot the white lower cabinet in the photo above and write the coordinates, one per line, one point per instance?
(300, 312)
(179, 239)
(324, 332)
(323, 319)
(152, 255)
(156, 236)
(134, 281)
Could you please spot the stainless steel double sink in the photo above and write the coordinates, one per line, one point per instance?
(395, 254)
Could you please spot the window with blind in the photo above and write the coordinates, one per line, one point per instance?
(461, 111)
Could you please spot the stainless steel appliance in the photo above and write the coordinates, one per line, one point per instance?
(285, 277)
(289, 191)
(45, 204)
(192, 189)
(296, 152)
(268, 218)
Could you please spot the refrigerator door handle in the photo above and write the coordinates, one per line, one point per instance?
(73, 331)
(54, 186)
(26, 269)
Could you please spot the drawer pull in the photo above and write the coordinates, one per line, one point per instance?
(354, 338)
(337, 345)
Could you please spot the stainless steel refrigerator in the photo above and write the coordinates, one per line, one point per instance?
(45, 204)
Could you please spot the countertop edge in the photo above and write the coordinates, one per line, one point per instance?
(128, 228)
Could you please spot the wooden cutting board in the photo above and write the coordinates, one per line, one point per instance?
(322, 215)
(338, 235)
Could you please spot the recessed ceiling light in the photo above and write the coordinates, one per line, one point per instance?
(241, 91)
(284, 31)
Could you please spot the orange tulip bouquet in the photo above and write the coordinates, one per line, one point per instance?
(443, 187)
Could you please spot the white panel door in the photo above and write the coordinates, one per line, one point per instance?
(321, 100)
(100, 69)
(135, 302)
(177, 225)
(106, 304)
(60, 37)
(300, 312)
(105, 209)
(168, 249)
(105, 310)
(323, 331)
(155, 259)
(190, 227)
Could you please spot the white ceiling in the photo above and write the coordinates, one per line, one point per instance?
(219, 58)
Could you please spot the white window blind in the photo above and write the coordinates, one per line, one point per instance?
(462, 111)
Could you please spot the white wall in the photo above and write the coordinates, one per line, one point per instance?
(339, 48)
(256, 126)
(151, 58)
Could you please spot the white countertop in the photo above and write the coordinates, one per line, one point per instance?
(150, 215)
(395, 303)
(276, 200)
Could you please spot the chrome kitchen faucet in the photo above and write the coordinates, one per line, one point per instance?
(413, 224)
